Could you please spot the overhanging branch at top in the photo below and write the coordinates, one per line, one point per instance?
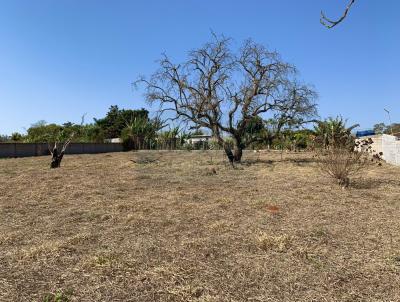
(328, 23)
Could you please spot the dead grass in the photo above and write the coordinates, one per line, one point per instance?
(184, 226)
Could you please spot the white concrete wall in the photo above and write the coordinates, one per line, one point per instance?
(389, 145)
(391, 149)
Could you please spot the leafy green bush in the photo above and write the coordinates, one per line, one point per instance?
(333, 133)
(4, 138)
(116, 120)
(140, 133)
(59, 296)
(16, 137)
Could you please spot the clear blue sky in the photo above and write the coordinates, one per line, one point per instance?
(60, 59)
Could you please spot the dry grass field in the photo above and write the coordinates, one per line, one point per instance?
(184, 226)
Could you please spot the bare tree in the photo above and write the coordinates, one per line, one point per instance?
(299, 109)
(325, 21)
(224, 91)
(56, 156)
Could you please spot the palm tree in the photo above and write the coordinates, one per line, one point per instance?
(169, 138)
(140, 132)
(333, 132)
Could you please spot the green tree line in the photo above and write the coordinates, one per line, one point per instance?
(138, 131)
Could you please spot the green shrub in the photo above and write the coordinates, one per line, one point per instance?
(58, 297)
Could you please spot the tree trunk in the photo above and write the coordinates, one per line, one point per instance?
(237, 150)
(234, 156)
(237, 153)
(227, 149)
(229, 154)
(56, 159)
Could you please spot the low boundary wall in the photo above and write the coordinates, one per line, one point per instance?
(39, 149)
(387, 144)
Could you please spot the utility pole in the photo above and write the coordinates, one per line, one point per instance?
(390, 120)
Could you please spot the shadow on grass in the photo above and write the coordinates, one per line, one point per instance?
(297, 161)
(249, 162)
(372, 183)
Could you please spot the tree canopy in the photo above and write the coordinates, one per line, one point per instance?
(117, 119)
(224, 90)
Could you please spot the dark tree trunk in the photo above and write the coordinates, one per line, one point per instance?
(234, 156)
(237, 154)
(229, 154)
(237, 150)
(56, 158)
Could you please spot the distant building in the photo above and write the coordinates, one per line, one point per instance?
(195, 139)
(116, 140)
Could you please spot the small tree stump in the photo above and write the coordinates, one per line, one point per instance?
(57, 157)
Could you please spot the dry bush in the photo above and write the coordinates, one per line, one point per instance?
(341, 163)
(365, 145)
(143, 159)
(348, 159)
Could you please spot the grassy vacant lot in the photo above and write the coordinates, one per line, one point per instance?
(184, 226)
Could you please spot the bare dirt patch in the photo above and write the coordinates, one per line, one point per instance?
(185, 226)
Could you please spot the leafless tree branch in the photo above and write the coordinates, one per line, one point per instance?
(224, 91)
(325, 21)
